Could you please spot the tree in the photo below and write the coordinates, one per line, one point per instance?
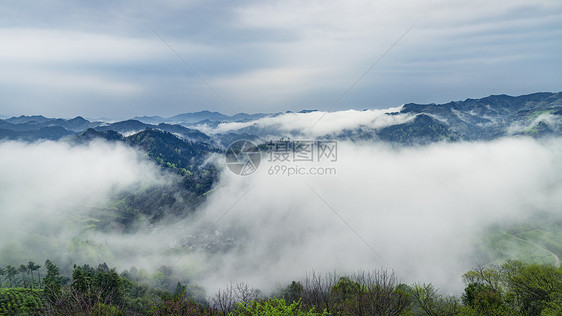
(317, 291)
(514, 288)
(53, 280)
(2, 273)
(482, 299)
(31, 266)
(23, 271)
(36, 268)
(533, 288)
(489, 276)
(379, 293)
(226, 300)
(178, 306)
(293, 292)
(180, 290)
(11, 273)
(433, 304)
(275, 307)
(98, 285)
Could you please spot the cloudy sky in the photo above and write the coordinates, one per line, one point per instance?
(103, 59)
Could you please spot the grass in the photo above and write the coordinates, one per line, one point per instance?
(531, 241)
(503, 246)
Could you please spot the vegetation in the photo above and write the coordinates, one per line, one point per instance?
(20, 301)
(513, 288)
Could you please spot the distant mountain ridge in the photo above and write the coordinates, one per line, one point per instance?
(496, 116)
(194, 117)
(536, 115)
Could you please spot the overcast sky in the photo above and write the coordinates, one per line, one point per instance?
(101, 58)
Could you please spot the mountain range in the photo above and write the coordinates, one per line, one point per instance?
(536, 115)
(183, 143)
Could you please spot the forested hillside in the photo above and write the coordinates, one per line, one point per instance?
(514, 288)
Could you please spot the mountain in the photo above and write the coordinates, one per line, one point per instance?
(91, 134)
(535, 115)
(27, 119)
(169, 150)
(199, 117)
(423, 129)
(184, 151)
(184, 132)
(133, 126)
(127, 126)
(50, 133)
(497, 115)
(36, 122)
(150, 119)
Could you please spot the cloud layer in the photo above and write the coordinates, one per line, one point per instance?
(48, 191)
(315, 124)
(421, 212)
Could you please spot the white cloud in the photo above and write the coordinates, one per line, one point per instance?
(423, 210)
(553, 121)
(64, 47)
(48, 188)
(318, 123)
(290, 55)
(67, 82)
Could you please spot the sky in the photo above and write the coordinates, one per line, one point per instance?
(119, 59)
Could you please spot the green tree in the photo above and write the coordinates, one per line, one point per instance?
(293, 292)
(23, 271)
(180, 290)
(275, 307)
(429, 301)
(472, 291)
(532, 288)
(488, 276)
(11, 273)
(36, 268)
(98, 285)
(2, 273)
(31, 267)
(345, 289)
(53, 280)
(178, 306)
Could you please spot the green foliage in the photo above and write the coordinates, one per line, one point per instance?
(533, 287)
(274, 307)
(20, 301)
(428, 300)
(514, 288)
(293, 292)
(106, 310)
(53, 280)
(99, 284)
(346, 289)
(178, 306)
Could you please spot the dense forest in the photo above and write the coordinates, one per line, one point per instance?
(512, 288)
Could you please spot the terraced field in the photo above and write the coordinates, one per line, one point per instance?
(20, 301)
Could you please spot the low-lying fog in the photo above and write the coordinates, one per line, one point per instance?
(420, 211)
